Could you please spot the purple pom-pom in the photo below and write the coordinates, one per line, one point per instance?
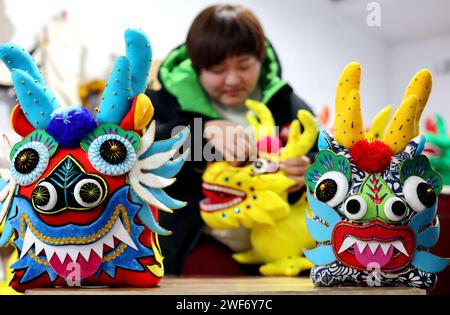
(70, 124)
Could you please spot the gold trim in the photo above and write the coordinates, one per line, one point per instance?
(72, 240)
(119, 209)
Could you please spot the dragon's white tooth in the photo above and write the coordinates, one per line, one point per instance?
(98, 248)
(385, 247)
(61, 252)
(38, 246)
(348, 242)
(28, 241)
(400, 247)
(121, 233)
(49, 251)
(86, 251)
(373, 246)
(109, 240)
(361, 245)
(73, 252)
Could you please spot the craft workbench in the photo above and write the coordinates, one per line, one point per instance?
(233, 286)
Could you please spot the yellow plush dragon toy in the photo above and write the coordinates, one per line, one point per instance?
(255, 196)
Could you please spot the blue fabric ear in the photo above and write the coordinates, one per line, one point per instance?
(322, 255)
(429, 237)
(323, 211)
(318, 231)
(428, 262)
(324, 140)
(146, 216)
(168, 144)
(171, 168)
(422, 219)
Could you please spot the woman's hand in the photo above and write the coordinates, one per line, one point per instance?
(295, 169)
(230, 139)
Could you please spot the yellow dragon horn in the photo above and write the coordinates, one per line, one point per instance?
(405, 124)
(348, 122)
(299, 144)
(261, 119)
(379, 123)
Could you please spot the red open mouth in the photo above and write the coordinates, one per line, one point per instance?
(376, 244)
(432, 150)
(220, 197)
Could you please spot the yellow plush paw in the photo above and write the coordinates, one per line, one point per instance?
(286, 267)
(249, 257)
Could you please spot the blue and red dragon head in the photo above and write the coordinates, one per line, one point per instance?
(80, 200)
(374, 201)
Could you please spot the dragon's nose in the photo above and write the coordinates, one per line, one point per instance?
(68, 187)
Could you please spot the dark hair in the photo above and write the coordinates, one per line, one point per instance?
(221, 31)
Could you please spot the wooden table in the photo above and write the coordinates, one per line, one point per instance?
(232, 286)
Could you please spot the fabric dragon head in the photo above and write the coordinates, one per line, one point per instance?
(437, 147)
(374, 201)
(80, 200)
(256, 192)
(255, 196)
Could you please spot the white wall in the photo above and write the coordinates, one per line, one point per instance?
(313, 42)
(406, 58)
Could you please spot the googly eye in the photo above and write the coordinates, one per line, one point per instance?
(418, 193)
(331, 188)
(88, 193)
(395, 209)
(112, 155)
(260, 166)
(44, 197)
(29, 163)
(355, 207)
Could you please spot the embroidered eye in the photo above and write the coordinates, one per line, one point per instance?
(355, 207)
(331, 188)
(112, 155)
(44, 197)
(395, 209)
(29, 163)
(113, 151)
(418, 193)
(260, 166)
(88, 193)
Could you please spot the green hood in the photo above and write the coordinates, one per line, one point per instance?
(180, 79)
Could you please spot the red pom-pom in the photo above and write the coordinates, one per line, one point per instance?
(371, 157)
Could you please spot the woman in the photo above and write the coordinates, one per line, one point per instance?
(226, 59)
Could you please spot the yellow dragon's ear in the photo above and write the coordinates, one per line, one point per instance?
(405, 124)
(348, 122)
(379, 123)
(299, 144)
(261, 119)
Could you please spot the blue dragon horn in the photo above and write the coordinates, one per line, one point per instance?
(128, 78)
(36, 100)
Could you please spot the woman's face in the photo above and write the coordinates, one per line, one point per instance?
(232, 81)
